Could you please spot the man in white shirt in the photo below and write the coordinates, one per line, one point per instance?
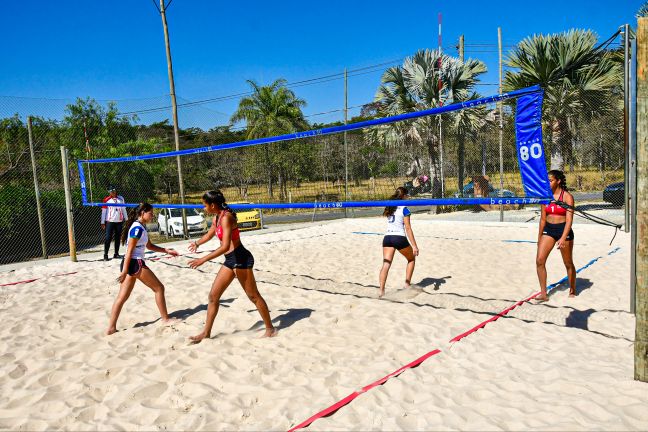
(112, 220)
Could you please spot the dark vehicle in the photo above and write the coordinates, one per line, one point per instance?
(615, 193)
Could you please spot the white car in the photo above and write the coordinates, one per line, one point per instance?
(172, 217)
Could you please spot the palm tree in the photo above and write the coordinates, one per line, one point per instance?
(414, 86)
(577, 79)
(269, 111)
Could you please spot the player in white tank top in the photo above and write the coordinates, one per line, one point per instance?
(398, 230)
(134, 268)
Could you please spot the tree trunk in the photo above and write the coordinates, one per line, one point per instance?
(268, 169)
(560, 142)
(462, 161)
(432, 143)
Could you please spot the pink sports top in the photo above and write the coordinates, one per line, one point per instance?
(236, 234)
(555, 209)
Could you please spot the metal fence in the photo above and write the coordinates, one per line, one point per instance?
(588, 144)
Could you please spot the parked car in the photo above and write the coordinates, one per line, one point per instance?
(614, 193)
(196, 222)
(469, 192)
(248, 219)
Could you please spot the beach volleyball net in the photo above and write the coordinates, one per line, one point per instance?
(486, 151)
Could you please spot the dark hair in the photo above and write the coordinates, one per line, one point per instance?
(560, 176)
(132, 216)
(217, 197)
(399, 194)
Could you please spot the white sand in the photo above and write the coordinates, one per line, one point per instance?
(565, 365)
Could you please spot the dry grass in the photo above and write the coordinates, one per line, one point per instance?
(381, 188)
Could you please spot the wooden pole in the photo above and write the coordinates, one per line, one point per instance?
(68, 203)
(174, 107)
(461, 47)
(641, 326)
(39, 210)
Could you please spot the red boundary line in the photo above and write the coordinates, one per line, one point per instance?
(336, 406)
(342, 402)
(34, 280)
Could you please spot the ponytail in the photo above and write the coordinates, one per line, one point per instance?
(217, 197)
(132, 217)
(398, 195)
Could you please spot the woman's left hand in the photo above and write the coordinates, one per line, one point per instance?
(196, 263)
(415, 250)
(172, 252)
(560, 243)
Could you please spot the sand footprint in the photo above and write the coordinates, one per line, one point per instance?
(151, 391)
(18, 372)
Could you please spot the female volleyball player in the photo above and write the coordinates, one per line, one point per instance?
(398, 225)
(556, 229)
(238, 263)
(133, 266)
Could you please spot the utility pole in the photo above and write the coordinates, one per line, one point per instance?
(501, 123)
(175, 115)
(461, 47)
(641, 316)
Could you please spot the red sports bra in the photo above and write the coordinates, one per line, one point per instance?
(236, 234)
(555, 209)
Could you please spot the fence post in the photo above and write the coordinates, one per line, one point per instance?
(39, 210)
(626, 130)
(68, 203)
(641, 317)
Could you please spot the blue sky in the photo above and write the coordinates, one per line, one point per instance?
(115, 50)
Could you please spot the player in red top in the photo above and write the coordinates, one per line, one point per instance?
(556, 229)
(238, 263)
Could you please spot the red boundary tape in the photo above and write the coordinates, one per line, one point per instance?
(34, 280)
(339, 404)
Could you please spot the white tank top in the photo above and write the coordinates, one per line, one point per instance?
(396, 222)
(138, 231)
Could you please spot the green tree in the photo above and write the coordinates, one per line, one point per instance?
(576, 76)
(269, 111)
(414, 86)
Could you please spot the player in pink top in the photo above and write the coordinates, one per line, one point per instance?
(238, 263)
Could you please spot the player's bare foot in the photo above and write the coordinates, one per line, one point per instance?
(572, 294)
(542, 299)
(198, 338)
(381, 293)
(270, 332)
(111, 330)
(170, 321)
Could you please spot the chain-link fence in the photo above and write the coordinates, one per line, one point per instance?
(583, 137)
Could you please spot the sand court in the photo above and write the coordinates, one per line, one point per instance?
(565, 364)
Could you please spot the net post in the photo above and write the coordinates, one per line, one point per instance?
(641, 316)
(501, 124)
(346, 147)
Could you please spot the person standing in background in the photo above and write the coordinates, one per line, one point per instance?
(112, 220)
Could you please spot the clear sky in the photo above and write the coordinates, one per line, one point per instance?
(114, 50)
